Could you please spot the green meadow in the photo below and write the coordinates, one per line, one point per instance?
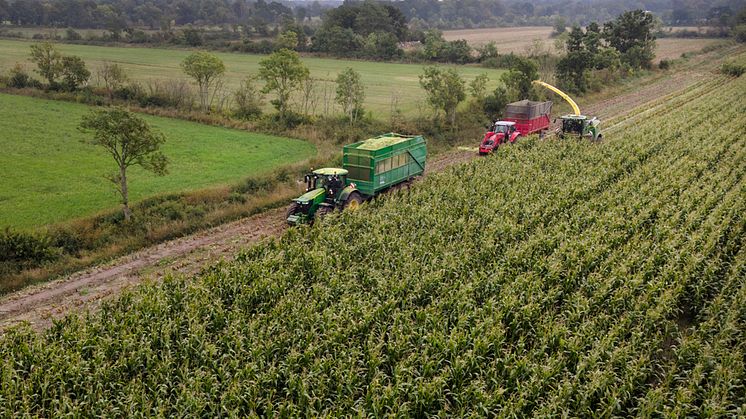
(48, 175)
(383, 81)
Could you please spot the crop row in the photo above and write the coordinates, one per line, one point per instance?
(552, 279)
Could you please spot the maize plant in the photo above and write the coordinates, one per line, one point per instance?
(584, 280)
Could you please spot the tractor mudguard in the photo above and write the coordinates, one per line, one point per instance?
(349, 189)
(514, 135)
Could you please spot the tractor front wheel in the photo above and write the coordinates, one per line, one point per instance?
(322, 212)
(292, 209)
(353, 202)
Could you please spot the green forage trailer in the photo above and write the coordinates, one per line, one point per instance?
(369, 168)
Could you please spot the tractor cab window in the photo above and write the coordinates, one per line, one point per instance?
(500, 128)
(334, 183)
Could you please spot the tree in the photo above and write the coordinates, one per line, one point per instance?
(48, 61)
(519, 79)
(207, 71)
(478, 87)
(559, 25)
(288, 40)
(249, 99)
(192, 37)
(487, 51)
(573, 69)
(338, 41)
(282, 72)
(350, 93)
(130, 141)
(113, 77)
(74, 72)
(632, 35)
(445, 90)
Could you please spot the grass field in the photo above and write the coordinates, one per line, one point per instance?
(520, 40)
(48, 175)
(382, 80)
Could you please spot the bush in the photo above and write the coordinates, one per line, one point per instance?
(18, 78)
(733, 69)
(129, 92)
(25, 249)
(249, 100)
(664, 64)
(501, 61)
(739, 32)
(72, 35)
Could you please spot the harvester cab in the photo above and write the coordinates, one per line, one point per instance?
(580, 126)
(326, 189)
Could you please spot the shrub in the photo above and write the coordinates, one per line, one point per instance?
(72, 35)
(25, 249)
(18, 77)
(733, 69)
(664, 64)
(249, 100)
(739, 32)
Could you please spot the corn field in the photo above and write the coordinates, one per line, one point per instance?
(554, 279)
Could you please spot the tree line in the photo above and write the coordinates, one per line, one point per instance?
(258, 15)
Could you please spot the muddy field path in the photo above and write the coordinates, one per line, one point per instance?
(40, 304)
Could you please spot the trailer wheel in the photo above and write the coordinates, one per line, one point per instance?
(353, 202)
(322, 212)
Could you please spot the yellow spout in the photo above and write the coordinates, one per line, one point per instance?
(562, 94)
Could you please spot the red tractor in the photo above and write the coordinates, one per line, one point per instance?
(521, 118)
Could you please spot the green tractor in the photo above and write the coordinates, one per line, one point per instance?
(326, 190)
(580, 126)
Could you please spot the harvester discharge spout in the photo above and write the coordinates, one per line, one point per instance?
(562, 94)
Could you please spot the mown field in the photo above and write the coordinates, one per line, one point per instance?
(522, 39)
(383, 81)
(48, 175)
(583, 280)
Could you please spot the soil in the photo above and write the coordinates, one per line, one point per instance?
(40, 305)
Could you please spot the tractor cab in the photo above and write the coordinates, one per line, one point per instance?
(503, 127)
(331, 180)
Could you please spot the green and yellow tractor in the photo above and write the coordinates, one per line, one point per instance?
(326, 190)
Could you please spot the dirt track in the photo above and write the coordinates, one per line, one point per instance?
(85, 290)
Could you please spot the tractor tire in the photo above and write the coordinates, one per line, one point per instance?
(353, 202)
(322, 212)
(292, 209)
(516, 139)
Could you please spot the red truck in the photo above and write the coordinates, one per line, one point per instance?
(521, 118)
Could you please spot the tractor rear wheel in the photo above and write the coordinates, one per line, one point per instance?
(353, 202)
(322, 212)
